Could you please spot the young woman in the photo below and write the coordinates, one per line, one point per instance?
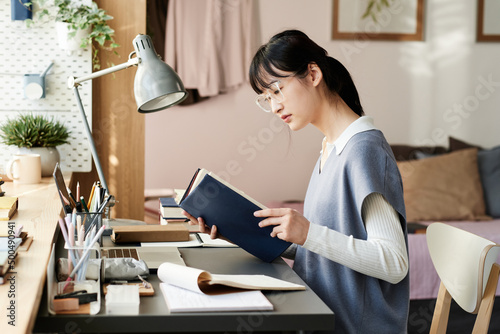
(350, 246)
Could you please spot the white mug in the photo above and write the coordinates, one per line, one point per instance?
(25, 169)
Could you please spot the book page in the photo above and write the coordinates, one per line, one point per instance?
(182, 300)
(203, 172)
(254, 282)
(192, 242)
(183, 277)
(230, 186)
(204, 282)
(206, 241)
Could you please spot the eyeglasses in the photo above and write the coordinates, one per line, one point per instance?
(264, 101)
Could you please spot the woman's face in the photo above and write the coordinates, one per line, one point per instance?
(297, 108)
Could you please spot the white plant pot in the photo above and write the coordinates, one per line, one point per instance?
(67, 43)
(49, 156)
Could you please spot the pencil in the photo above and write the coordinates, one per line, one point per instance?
(92, 193)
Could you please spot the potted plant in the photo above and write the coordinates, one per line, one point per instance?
(36, 134)
(78, 25)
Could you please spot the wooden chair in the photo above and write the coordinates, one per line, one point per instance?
(466, 265)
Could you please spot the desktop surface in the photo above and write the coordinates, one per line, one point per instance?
(293, 310)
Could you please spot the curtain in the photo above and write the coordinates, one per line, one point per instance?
(210, 43)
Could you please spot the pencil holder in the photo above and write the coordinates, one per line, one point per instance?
(88, 222)
(83, 258)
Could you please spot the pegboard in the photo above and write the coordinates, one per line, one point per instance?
(29, 51)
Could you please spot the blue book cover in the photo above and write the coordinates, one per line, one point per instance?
(232, 212)
(168, 202)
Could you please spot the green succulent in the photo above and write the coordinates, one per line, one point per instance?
(33, 131)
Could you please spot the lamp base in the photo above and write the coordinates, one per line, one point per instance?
(119, 222)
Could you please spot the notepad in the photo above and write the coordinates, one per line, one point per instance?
(8, 206)
(183, 300)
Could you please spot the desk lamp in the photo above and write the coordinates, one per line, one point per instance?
(156, 87)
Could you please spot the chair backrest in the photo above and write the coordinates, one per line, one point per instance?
(463, 262)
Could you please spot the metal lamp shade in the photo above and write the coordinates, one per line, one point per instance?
(156, 84)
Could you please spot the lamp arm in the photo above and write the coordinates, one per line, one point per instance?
(93, 149)
(72, 81)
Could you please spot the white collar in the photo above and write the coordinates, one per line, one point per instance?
(364, 123)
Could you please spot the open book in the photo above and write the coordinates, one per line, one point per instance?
(219, 203)
(193, 290)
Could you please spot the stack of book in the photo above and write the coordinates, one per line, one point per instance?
(170, 210)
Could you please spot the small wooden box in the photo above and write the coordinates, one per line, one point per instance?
(150, 233)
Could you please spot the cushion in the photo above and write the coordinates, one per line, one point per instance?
(489, 171)
(408, 152)
(444, 187)
(457, 144)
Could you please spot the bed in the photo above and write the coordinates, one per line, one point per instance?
(458, 185)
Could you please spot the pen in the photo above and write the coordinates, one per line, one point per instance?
(104, 203)
(62, 225)
(67, 204)
(78, 228)
(88, 243)
(78, 202)
(81, 234)
(96, 200)
(93, 223)
(84, 205)
(71, 197)
(71, 240)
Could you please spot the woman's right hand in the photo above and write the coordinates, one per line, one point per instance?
(204, 228)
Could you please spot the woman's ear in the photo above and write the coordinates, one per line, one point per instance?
(315, 75)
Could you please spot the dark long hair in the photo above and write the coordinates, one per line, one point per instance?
(292, 51)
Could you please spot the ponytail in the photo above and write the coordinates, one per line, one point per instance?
(339, 81)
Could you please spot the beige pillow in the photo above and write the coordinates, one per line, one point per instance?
(445, 187)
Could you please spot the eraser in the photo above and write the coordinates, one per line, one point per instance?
(66, 304)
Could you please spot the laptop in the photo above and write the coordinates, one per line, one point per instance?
(153, 256)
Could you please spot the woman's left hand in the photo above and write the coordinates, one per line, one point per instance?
(289, 224)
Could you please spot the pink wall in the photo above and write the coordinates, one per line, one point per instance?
(414, 90)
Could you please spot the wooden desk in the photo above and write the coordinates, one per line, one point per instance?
(39, 210)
